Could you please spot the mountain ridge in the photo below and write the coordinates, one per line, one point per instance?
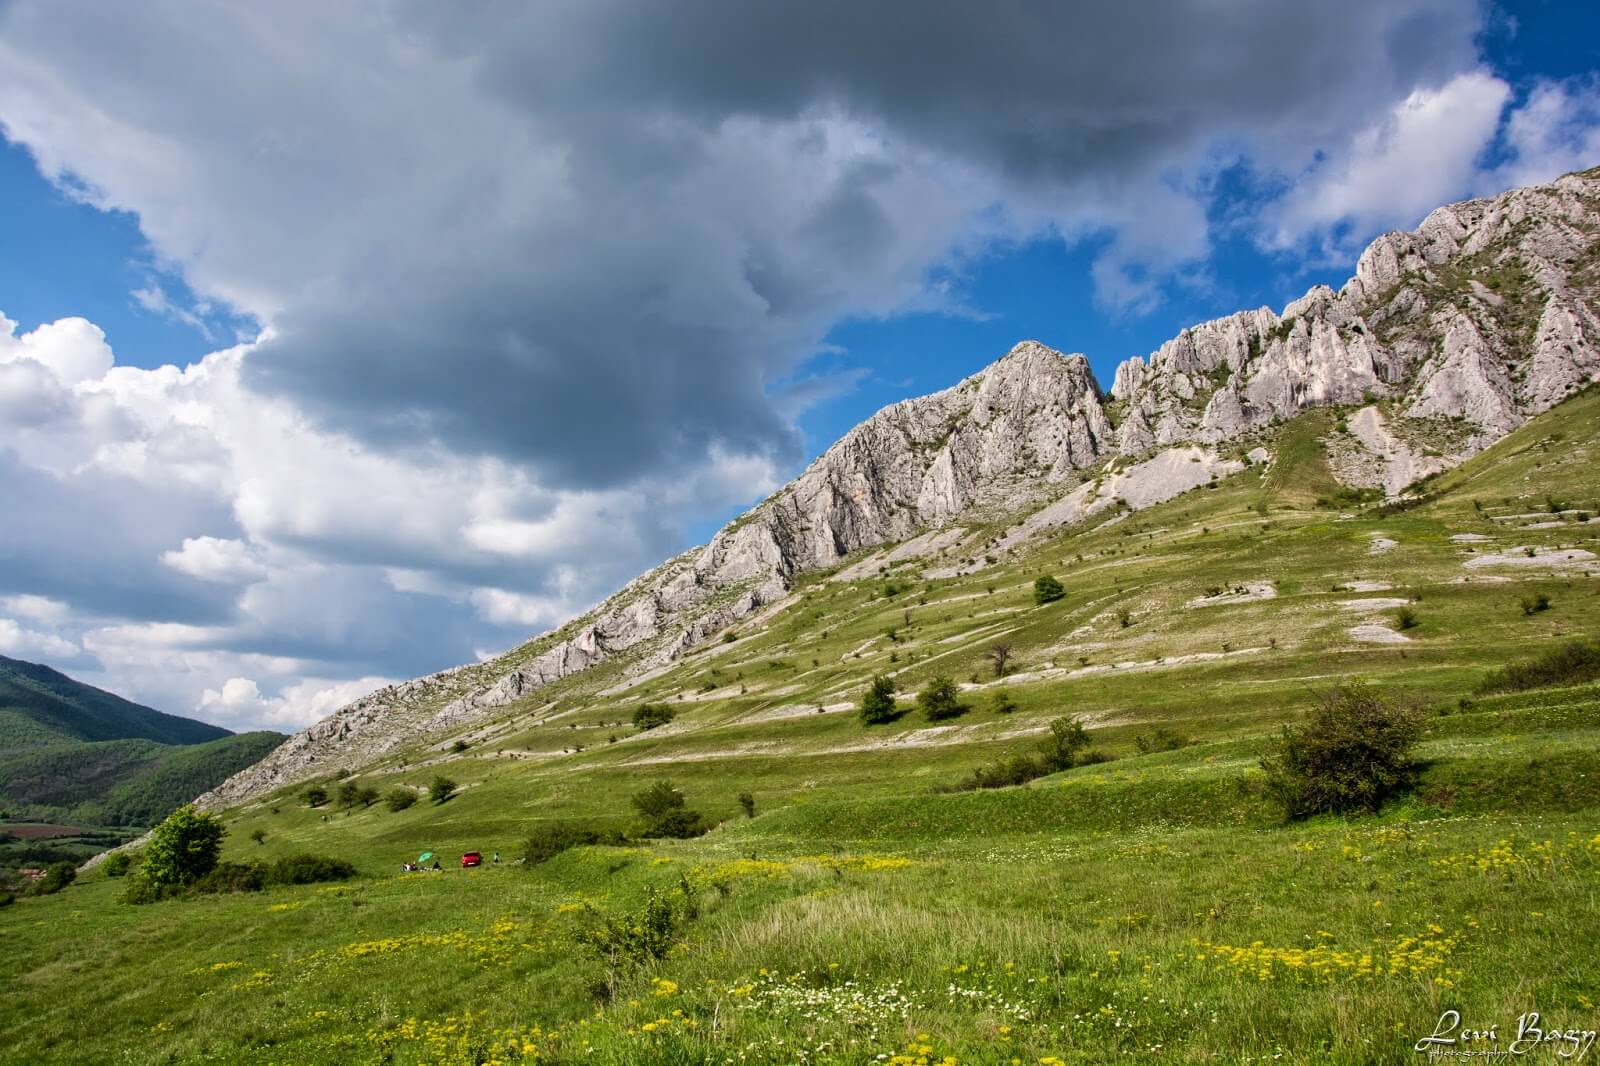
(1447, 337)
(68, 709)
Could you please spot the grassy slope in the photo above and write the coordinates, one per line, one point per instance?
(1103, 912)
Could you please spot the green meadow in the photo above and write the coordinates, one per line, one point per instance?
(1151, 907)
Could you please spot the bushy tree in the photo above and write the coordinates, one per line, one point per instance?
(999, 654)
(258, 835)
(117, 863)
(349, 792)
(550, 839)
(182, 849)
(877, 703)
(57, 875)
(398, 799)
(1046, 589)
(1066, 739)
(666, 813)
(940, 699)
(1003, 703)
(651, 715)
(316, 796)
(1351, 754)
(441, 789)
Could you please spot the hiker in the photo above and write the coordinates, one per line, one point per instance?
(436, 867)
(497, 858)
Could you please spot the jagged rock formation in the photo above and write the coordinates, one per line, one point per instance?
(1482, 317)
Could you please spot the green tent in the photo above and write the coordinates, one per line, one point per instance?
(425, 856)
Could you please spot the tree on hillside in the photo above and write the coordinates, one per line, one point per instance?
(940, 699)
(316, 796)
(1351, 754)
(398, 799)
(349, 791)
(182, 849)
(1067, 738)
(651, 715)
(1046, 589)
(877, 703)
(999, 653)
(666, 812)
(441, 789)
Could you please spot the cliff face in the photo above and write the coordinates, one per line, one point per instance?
(1482, 317)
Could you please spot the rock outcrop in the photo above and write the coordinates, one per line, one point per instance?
(1483, 316)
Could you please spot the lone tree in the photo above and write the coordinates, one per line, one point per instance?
(1067, 738)
(748, 803)
(182, 849)
(316, 796)
(441, 789)
(651, 715)
(877, 703)
(999, 653)
(666, 812)
(1046, 589)
(398, 799)
(1352, 753)
(349, 794)
(941, 699)
(258, 835)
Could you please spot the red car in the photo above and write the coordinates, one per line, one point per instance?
(471, 858)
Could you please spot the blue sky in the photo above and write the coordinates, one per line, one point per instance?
(508, 314)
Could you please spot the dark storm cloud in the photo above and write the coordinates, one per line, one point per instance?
(589, 236)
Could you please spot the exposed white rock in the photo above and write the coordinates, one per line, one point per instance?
(1373, 633)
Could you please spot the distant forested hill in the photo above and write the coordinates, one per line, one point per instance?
(40, 706)
(71, 752)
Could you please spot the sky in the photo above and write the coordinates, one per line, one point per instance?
(345, 343)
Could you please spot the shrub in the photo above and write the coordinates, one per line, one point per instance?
(1067, 738)
(7, 899)
(367, 796)
(349, 793)
(258, 835)
(233, 877)
(940, 699)
(747, 803)
(651, 715)
(458, 747)
(1046, 589)
(1003, 703)
(666, 813)
(1352, 754)
(1161, 738)
(182, 849)
(308, 870)
(628, 939)
(550, 839)
(117, 863)
(1571, 664)
(877, 703)
(398, 799)
(57, 875)
(1406, 618)
(1532, 605)
(999, 654)
(316, 796)
(441, 789)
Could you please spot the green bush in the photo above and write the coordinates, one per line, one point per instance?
(232, 877)
(550, 839)
(747, 803)
(1067, 738)
(7, 899)
(877, 703)
(940, 699)
(1046, 589)
(630, 939)
(666, 813)
(117, 863)
(398, 799)
(441, 789)
(652, 715)
(1003, 703)
(1573, 663)
(316, 796)
(308, 870)
(57, 875)
(1406, 618)
(182, 849)
(1162, 738)
(1532, 605)
(1353, 753)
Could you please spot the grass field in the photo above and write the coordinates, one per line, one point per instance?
(1153, 907)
